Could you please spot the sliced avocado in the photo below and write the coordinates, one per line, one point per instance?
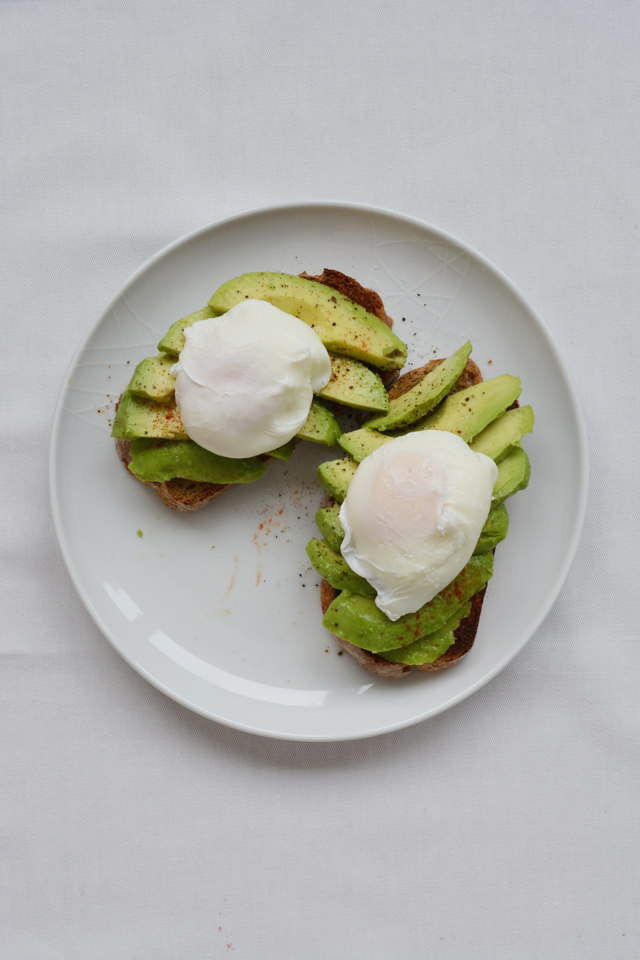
(336, 475)
(138, 417)
(426, 395)
(360, 443)
(358, 619)
(495, 529)
(284, 452)
(344, 327)
(513, 474)
(161, 460)
(320, 426)
(429, 648)
(467, 412)
(153, 379)
(334, 568)
(328, 523)
(355, 385)
(173, 341)
(500, 437)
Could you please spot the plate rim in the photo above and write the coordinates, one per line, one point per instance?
(581, 499)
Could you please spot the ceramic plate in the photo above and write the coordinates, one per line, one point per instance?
(220, 609)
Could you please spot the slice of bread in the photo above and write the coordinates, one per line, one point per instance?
(466, 632)
(187, 496)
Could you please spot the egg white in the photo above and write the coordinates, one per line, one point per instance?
(245, 381)
(413, 514)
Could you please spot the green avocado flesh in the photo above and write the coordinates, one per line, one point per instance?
(333, 568)
(328, 523)
(355, 385)
(495, 529)
(336, 475)
(357, 619)
(161, 460)
(360, 443)
(429, 648)
(284, 452)
(173, 342)
(495, 441)
(138, 417)
(500, 437)
(153, 379)
(426, 395)
(320, 426)
(513, 474)
(344, 327)
(467, 412)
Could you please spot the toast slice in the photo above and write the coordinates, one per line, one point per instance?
(466, 631)
(188, 496)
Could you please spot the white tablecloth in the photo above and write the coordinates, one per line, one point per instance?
(504, 828)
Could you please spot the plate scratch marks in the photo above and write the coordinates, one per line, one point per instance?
(116, 324)
(144, 323)
(96, 393)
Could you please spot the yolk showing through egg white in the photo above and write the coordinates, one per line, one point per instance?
(413, 514)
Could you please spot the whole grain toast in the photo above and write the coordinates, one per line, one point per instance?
(188, 496)
(466, 632)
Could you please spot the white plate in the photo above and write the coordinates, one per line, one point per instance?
(220, 609)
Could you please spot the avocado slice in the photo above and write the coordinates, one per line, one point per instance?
(336, 475)
(355, 385)
(429, 648)
(343, 326)
(173, 341)
(500, 437)
(358, 620)
(360, 443)
(495, 529)
(284, 452)
(467, 412)
(334, 568)
(139, 417)
(320, 426)
(513, 474)
(426, 395)
(153, 379)
(328, 523)
(161, 460)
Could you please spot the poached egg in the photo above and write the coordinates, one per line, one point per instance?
(245, 380)
(413, 514)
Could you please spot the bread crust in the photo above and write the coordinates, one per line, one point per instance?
(185, 496)
(348, 287)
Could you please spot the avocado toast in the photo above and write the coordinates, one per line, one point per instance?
(365, 356)
(447, 395)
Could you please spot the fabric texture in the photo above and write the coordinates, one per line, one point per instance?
(506, 827)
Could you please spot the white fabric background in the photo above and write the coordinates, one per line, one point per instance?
(504, 828)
